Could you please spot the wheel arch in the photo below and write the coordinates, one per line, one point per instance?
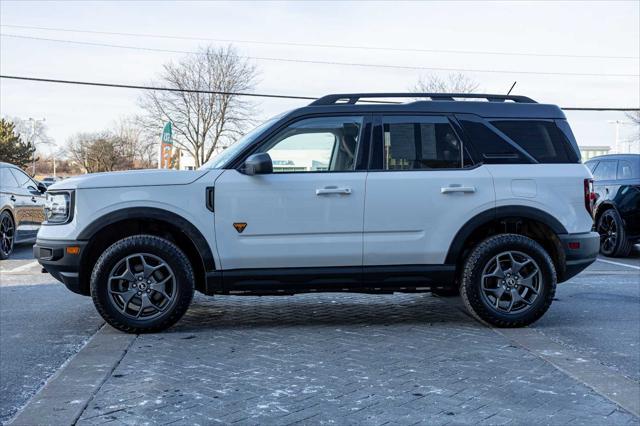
(529, 221)
(119, 224)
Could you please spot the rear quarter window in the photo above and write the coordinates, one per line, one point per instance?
(540, 138)
(489, 146)
(6, 179)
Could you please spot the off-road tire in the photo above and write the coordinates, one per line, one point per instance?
(623, 245)
(160, 247)
(470, 289)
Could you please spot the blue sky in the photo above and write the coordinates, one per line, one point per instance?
(550, 28)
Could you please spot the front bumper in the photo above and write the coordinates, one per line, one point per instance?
(61, 264)
(581, 250)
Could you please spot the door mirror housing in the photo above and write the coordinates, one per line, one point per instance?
(42, 188)
(258, 164)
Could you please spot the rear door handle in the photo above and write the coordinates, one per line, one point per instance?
(12, 198)
(333, 190)
(451, 189)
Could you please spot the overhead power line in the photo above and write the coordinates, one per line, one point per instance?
(322, 45)
(304, 61)
(258, 95)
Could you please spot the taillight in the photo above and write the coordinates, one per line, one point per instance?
(589, 195)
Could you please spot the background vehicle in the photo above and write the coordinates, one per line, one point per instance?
(486, 197)
(21, 208)
(48, 181)
(617, 205)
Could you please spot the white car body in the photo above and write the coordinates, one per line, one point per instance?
(359, 198)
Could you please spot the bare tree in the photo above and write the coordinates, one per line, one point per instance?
(141, 147)
(202, 122)
(99, 152)
(453, 83)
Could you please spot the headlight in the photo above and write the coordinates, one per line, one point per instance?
(57, 207)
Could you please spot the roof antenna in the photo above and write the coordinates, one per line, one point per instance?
(512, 86)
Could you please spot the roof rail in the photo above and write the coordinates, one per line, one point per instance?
(352, 98)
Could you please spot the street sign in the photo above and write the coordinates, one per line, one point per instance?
(166, 146)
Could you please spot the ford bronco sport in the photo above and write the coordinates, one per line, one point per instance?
(354, 192)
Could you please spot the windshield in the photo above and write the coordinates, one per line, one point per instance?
(223, 158)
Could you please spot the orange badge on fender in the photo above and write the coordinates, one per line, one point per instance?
(240, 226)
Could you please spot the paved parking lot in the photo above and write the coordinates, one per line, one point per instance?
(330, 358)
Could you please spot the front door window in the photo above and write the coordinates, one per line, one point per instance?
(324, 144)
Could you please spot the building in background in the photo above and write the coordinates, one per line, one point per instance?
(588, 152)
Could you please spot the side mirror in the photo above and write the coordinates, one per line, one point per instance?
(42, 188)
(258, 164)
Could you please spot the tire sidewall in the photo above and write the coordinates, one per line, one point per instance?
(621, 237)
(156, 246)
(3, 255)
(473, 280)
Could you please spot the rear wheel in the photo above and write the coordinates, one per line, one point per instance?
(613, 239)
(142, 284)
(7, 234)
(508, 281)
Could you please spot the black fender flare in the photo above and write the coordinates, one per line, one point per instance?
(487, 216)
(183, 224)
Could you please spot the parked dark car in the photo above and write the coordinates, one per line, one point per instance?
(21, 208)
(48, 181)
(617, 204)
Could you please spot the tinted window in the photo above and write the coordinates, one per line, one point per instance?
(23, 179)
(627, 171)
(491, 148)
(6, 178)
(541, 139)
(591, 165)
(606, 170)
(316, 145)
(412, 143)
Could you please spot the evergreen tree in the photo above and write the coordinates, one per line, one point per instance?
(12, 149)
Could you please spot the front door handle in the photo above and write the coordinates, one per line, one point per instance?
(12, 198)
(328, 190)
(451, 189)
(34, 199)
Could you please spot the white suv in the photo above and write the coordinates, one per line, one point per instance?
(355, 193)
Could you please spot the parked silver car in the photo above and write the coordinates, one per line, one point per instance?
(21, 208)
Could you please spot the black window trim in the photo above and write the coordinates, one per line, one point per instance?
(378, 138)
(362, 150)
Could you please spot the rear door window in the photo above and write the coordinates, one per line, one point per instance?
(420, 142)
(541, 139)
(606, 170)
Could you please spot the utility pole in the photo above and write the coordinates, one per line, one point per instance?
(617, 140)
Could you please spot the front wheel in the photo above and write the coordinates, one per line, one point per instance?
(142, 284)
(509, 280)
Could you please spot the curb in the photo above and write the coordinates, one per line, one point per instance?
(63, 399)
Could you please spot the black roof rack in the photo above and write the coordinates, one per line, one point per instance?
(352, 98)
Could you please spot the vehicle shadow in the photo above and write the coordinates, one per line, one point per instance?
(309, 310)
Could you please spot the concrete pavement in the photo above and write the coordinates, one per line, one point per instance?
(339, 358)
